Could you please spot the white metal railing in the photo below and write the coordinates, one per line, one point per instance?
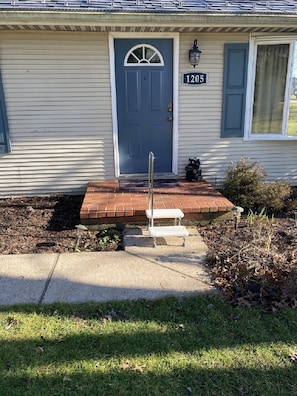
(151, 214)
(151, 163)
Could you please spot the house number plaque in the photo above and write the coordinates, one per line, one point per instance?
(195, 78)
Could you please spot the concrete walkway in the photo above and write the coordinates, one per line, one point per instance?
(139, 272)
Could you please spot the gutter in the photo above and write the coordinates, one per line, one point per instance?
(104, 18)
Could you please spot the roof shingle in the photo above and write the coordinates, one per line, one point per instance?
(282, 7)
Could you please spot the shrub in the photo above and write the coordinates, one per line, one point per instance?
(245, 186)
(243, 183)
(291, 205)
(274, 196)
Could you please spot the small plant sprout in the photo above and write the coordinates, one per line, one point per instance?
(80, 228)
(237, 210)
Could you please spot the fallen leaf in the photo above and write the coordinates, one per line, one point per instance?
(126, 365)
(106, 319)
(59, 338)
(138, 369)
(293, 357)
(39, 349)
(10, 323)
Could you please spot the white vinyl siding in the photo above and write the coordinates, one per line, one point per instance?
(58, 99)
(200, 119)
(57, 90)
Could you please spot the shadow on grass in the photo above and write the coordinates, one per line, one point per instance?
(176, 346)
(208, 381)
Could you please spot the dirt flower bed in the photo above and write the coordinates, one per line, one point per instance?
(255, 264)
(47, 225)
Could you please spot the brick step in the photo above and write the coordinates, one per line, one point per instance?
(106, 203)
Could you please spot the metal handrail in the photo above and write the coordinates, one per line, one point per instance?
(151, 186)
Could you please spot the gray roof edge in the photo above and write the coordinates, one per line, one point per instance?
(152, 12)
(102, 18)
(213, 7)
(95, 11)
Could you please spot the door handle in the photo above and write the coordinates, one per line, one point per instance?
(170, 107)
(169, 118)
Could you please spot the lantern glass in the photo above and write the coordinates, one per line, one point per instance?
(194, 55)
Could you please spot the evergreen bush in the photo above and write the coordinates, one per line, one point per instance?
(245, 185)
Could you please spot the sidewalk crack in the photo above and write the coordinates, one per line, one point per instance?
(171, 269)
(49, 278)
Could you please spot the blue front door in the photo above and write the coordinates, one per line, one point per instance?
(144, 103)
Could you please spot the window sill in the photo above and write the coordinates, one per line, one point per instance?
(270, 138)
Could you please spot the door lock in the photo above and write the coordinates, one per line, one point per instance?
(170, 107)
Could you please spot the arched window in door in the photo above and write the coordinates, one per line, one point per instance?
(143, 55)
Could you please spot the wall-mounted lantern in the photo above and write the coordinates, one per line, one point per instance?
(194, 54)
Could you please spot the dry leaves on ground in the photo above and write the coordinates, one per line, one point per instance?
(255, 264)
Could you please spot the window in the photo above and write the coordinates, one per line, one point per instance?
(273, 90)
(144, 55)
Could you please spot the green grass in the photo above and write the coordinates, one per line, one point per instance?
(198, 345)
(275, 125)
(292, 122)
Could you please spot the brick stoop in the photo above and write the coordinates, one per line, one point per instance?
(107, 202)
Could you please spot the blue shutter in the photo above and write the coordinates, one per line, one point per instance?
(234, 90)
(4, 133)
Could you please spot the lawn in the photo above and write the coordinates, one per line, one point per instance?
(292, 122)
(198, 345)
(274, 125)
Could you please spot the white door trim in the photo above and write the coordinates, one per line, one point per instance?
(175, 38)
